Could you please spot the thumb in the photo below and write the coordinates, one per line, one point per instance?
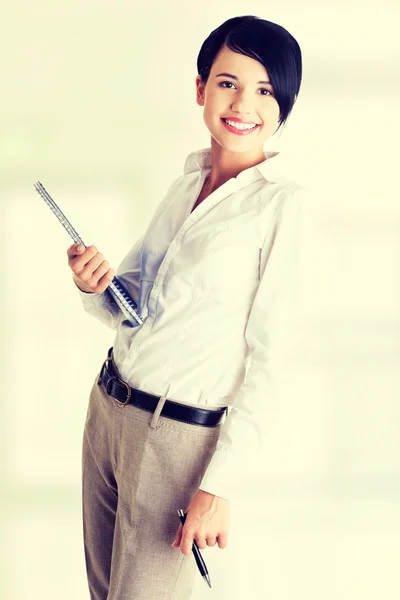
(178, 537)
(74, 250)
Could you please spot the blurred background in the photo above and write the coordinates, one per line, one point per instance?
(98, 103)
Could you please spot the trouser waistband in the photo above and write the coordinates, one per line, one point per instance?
(124, 394)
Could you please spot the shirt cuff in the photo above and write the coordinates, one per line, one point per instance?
(222, 475)
(92, 299)
(101, 306)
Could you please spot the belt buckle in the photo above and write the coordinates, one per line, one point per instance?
(112, 378)
(128, 397)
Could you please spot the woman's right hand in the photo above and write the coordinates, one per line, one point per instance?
(91, 273)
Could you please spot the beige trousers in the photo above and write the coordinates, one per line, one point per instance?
(138, 468)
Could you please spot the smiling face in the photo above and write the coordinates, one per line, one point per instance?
(238, 96)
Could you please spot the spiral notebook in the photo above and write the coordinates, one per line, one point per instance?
(116, 290)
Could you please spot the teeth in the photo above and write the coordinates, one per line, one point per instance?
(239, 125)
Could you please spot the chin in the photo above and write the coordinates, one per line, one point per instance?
(239, 145)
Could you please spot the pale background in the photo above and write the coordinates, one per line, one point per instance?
(98, 102)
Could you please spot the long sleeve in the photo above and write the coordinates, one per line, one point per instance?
(103, 306)
(244, 429)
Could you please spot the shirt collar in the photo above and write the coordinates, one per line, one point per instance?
(271, 169)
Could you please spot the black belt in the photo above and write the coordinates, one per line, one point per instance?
(124, 394)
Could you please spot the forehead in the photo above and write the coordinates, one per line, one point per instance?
(237, 64)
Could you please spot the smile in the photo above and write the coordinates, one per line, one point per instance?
(238, 128)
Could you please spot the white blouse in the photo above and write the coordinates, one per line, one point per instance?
(211, 285)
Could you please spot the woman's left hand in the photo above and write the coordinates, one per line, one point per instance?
(207, 522)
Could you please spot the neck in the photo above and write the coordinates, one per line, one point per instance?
(226, 165)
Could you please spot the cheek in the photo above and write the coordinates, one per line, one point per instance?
(270, 115)
(211, 113)
(276, 110)
(207, 116)
(213, 103)
(272, 107)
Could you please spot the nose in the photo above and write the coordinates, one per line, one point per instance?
(242, 103)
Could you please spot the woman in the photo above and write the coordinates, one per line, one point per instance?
(181, 403)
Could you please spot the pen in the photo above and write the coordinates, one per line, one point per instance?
(195, 549)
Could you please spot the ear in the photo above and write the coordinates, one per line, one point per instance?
(200, 87)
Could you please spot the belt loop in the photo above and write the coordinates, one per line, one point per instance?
(159, 407)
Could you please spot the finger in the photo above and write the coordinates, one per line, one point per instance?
(106, 276)
(85, 266)
(178, 537)
(211, 540)
(92, 262)
(100, 269)
(222, 540)
(187, 541)
(105, 281)
(78, 262)
(75, 250)
(201, 542)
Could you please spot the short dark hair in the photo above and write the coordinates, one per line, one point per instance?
(268, 43)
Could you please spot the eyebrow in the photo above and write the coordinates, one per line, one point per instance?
(234, 77)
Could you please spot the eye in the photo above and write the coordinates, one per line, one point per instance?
(222, 83)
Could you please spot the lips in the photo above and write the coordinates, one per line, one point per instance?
(239, 131)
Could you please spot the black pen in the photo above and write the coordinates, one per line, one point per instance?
(195, 549)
